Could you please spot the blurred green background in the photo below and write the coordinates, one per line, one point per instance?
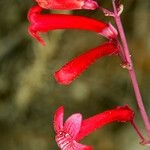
(29, 94)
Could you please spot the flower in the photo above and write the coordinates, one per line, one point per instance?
(74, 68)
(74, 129)
(45, 22)
(67, 133)
(67, 4)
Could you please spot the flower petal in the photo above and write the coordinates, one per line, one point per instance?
(58, 119)
(73, 124)
(120, 114)
(74, 68)
(90, 4)
(45, 22)
(67, 4)
(67, 144)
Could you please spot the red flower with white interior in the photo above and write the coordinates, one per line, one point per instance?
(74, 129)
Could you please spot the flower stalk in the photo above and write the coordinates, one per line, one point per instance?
(131, 69)
(138, 132)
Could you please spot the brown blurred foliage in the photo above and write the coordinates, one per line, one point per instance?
(29, 94)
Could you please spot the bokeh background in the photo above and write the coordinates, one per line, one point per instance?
(29, 94)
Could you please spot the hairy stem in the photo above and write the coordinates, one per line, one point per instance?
(131, 70)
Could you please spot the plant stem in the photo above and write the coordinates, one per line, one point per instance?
(131, 70)
(138, 132)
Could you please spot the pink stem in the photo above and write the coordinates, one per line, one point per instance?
(131, 70)
(138, 131)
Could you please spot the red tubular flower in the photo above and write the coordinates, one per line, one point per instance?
(45, 22)
(67, 4)
(74, 68)
(74, 129)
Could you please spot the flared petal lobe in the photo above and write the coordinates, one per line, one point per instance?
(45, 22)
(67, 4)
(58, 119)
(74, 68)
(66, 134)
(66, 143)
(73, 124)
